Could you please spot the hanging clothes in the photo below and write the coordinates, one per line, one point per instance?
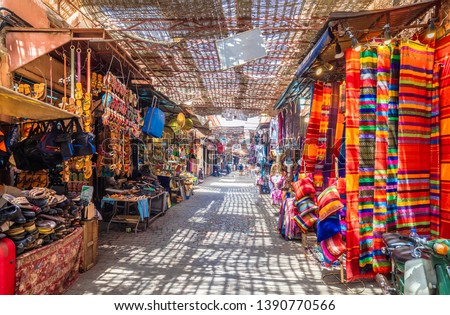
(367, 129)
(392, 159)
(380, 263)
(414, 129)
(352, 72)
(443, 58)
(310, 146)
(322, 139)
(328, 169)
(435, 155)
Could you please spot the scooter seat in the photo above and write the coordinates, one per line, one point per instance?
(402, 254)
(393, 240)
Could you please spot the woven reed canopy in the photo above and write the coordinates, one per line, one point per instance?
(174, 41)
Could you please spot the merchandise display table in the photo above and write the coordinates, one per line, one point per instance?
(144, 205)
(51, 269)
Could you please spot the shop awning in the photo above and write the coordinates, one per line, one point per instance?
(307, 62)
(20, 106)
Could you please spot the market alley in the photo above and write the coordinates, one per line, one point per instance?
(223, 240)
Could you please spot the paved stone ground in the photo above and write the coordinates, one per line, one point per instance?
(223, 240)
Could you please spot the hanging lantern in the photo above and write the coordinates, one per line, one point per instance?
(188, 124)
(181, 119)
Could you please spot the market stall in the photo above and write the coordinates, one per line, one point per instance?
(370, 159)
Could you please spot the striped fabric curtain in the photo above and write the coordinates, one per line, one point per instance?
(380, 263)
(392, 159)
(352, 72)
(312, 133)
(414, 129)
(443, 59)
(367, 129)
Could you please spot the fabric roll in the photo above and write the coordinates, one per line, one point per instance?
(392, 158)
(380, 263)
(312, 133)
(322, 139)
(434, 156)
(367, 130)
(352, 73)
(414, 130)
(443, 58)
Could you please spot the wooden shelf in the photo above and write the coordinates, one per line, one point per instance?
(20, 106)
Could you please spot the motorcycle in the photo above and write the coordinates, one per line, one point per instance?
(419, 267)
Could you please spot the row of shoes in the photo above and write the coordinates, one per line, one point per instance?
(38, 218)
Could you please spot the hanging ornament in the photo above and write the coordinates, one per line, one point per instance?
(174, 125)
(181, 119)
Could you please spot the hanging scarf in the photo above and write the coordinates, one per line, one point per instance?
(435, 156)
(322, 140)
(367, 128)
(392, 159)
(380, 264)
(328, 169)
(443, 58)
(340, 132)
(311, 141)
(414, 129)
(352, 72)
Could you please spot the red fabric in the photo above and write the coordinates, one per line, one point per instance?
(312, 133)
(352, 165)
(443, 57)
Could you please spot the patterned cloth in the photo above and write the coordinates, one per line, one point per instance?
(329, 167)
(352, 72)
(380, 264)
(392, 158)
(322, 140)
(367, 129)
(312, 133)
(414, 129)
(51, 269)
(443, 58)
(435, 156)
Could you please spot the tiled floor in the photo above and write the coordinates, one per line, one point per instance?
(223, 240)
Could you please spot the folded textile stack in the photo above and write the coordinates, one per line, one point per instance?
(38, 218)
(304, 202)
(329, 226)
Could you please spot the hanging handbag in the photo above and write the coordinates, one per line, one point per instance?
(154, 121)
(82, 142)
(26, 152)
(50, 148)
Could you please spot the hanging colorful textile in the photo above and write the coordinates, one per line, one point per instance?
(340, 132)
(443, 58)
(414, 129)
(380, 264)
(367, 128)
(312, 133)
(322, 140)
(352, 72)
(328, 169)
(392, 158)
(434, 155)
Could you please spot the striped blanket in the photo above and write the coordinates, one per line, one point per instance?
(434, 156)
(380, 264)
(352, 72)
(443, 58)
(312, 133)
(322, 140)
(392, 158)
(367, 129)
(414, 129)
